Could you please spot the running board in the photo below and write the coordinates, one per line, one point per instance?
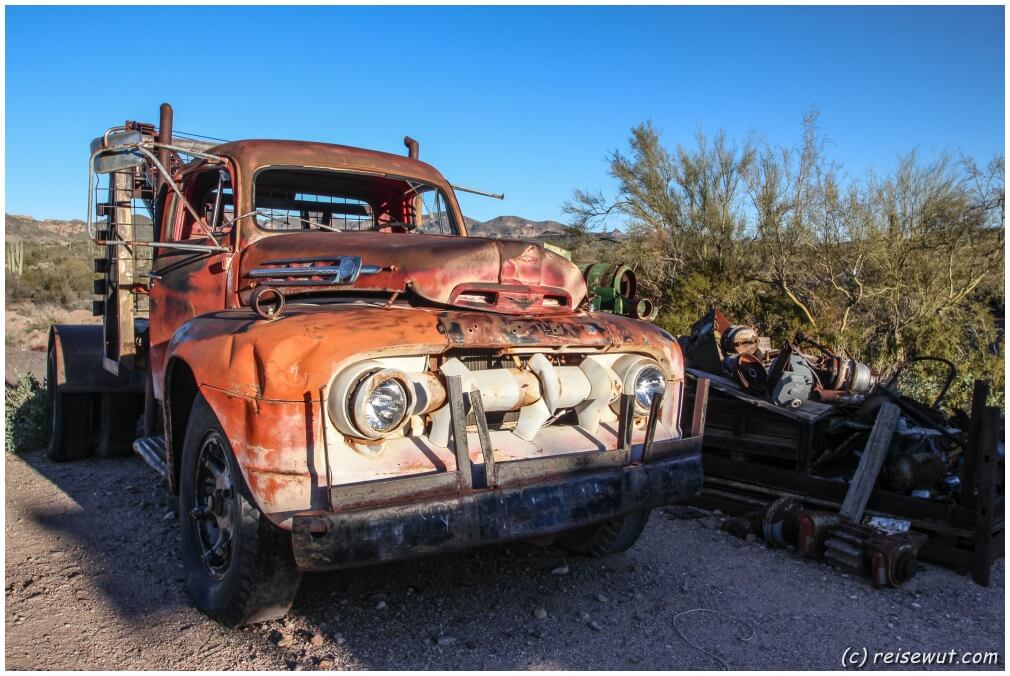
(154, 452)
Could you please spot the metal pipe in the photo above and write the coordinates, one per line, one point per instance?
(160, 245)
(413, 147)
(189, 207)
(497, 196)
(164, 138)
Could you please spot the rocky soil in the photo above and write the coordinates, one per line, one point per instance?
(93, 581)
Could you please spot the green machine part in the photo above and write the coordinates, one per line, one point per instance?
(614, 288)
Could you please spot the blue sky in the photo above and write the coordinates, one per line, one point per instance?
(525, 101)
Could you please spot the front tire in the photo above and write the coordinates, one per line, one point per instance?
(610, 537)
(239, 567)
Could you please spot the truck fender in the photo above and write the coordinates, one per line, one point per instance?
(89, 394)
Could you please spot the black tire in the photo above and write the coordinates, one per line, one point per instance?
(250, 578)
(610, 537)
(152, 409)
(70, 417)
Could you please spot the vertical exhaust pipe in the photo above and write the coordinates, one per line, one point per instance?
(413, 147)
(164, 136)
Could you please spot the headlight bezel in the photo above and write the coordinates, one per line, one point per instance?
(629, 369)
(349, 392)
(361, 398)
(652, 371)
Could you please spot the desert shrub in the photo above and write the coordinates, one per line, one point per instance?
(883, 267)
(25, 415)
(54, 274)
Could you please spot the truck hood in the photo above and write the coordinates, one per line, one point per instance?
(496, 275)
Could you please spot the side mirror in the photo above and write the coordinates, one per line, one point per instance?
(112, 156)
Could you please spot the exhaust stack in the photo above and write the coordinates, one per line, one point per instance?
(164, 136)
(413, 147)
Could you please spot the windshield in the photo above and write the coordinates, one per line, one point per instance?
(312, 199)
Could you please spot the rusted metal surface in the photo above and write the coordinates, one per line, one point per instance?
(497, 275)
(893, 557)
(418, 527)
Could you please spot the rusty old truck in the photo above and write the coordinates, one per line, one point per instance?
(304, 342)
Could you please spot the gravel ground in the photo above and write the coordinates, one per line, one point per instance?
(93, 581)
(21, 361)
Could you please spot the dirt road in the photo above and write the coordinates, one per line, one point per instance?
(94, 582)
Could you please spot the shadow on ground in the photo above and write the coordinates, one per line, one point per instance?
(503, 607)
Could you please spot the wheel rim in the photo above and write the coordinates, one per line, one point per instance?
(213, 510)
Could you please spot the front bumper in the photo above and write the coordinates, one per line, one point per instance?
(484, 516)
(474, 505)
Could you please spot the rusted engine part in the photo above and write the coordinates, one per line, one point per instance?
(787, 377)
(894, 557)
(712, 339)
(890, 559)
(795, 376)
(835, 372)
(779, 524)
(614, 288)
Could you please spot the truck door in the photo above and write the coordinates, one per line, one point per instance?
(187, 283)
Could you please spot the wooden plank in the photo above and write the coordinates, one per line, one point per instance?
(869, 465)
(979, 397)
(346, 497)
(650, 427)
(700, 407)
(985, 483)
(626, 422)
(517, 472)
(459, 437)
(477, 403)
(120, 342)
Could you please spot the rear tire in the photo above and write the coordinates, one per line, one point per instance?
(610, 537)
(239, 567)
(70, 417)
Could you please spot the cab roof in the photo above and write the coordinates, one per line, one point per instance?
(254, 154)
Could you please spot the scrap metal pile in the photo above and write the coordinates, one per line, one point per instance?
(810, 449)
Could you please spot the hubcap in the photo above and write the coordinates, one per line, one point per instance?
(213, 511)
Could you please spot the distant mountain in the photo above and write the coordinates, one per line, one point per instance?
(514, 227)
(27, 228)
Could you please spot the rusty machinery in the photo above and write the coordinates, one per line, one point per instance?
(614, 288)
(795, 421)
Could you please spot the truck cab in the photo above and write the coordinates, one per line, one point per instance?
(332, 373)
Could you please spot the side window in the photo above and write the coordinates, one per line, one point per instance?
(210, 194)
(435, 217)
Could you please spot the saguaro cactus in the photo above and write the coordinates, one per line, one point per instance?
(16, 257)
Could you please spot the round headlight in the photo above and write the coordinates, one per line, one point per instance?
(649, 382)
(381, 403)
(385, 406)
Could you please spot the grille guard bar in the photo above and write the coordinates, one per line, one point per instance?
(469, 477)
